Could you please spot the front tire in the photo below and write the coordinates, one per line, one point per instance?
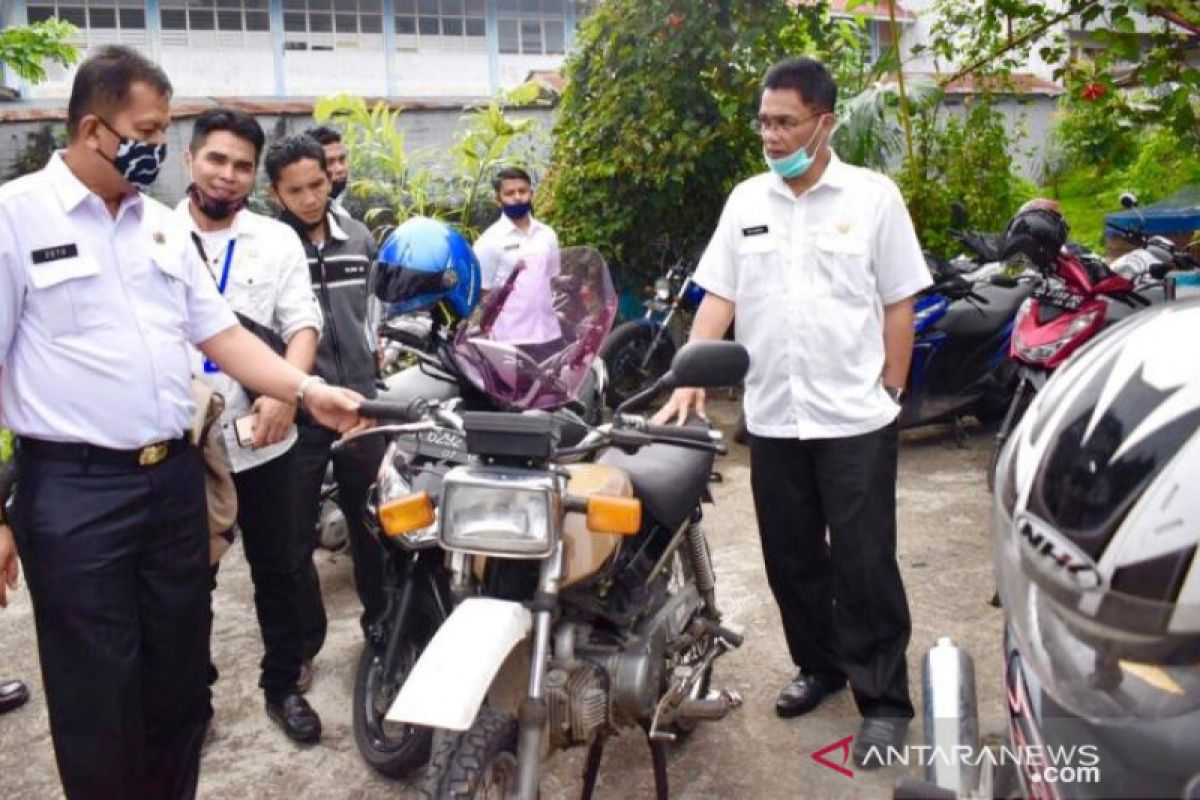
(624, 352)
(394, 752)
(480, 764)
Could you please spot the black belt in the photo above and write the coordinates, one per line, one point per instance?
(146, 456)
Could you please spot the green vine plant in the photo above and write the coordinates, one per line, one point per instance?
(393, 184)
(26, 49)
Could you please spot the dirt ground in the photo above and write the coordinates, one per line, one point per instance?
(944, 555)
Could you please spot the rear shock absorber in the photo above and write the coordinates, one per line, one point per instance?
(702, 568)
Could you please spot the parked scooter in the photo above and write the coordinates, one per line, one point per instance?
(1075, 296)
(961, 364)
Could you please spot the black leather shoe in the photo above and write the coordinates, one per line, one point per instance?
(296, 717)
(13, 695)
(874, 738)
(806, 693)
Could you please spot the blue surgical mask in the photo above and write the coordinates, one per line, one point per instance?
(138, 161)
(517, 210)
(793, 166)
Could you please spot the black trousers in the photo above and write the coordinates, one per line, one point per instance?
(354, 468)
(842, 600)
(116, 559)
(271, 540)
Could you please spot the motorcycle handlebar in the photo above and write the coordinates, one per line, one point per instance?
(386, 410)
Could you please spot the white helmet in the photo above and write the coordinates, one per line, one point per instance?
(1097, 522)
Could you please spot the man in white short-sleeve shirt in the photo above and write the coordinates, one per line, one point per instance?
(819, 261)
(99, 302)
(518, 255)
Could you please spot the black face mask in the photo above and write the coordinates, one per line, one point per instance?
(212, 207)
(300, 226)
(339, 186)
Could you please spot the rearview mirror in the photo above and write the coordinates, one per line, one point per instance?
(1128, 200)
(708, 364)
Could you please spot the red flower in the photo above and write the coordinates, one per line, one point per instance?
(1093, 91)
(675, 20)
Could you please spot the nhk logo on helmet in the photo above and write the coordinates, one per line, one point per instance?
(1053, 554)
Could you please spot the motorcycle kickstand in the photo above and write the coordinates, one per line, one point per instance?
(961, 436)
(658, 758)
(591, 769)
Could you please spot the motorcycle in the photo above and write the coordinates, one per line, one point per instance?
(960, 362)
(1072, 301)
(639, 351)
(439, 385)
(584, 593)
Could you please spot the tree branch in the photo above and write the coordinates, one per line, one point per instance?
(1020, 40)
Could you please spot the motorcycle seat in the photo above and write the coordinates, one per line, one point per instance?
(965, 319)
(668, 480)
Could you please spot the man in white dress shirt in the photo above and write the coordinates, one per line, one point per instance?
(100, 299)
(820, 261)
(261, 270)
(518, 255)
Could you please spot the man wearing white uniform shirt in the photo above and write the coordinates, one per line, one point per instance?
(99, 301)
(260, 268)
(820, 262)
(519, 256)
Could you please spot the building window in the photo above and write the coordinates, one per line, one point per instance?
(532, 27)
(215, 23)
(99, 21)
(332, 24)
(441, 25)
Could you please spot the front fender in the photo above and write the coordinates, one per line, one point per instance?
(450, 680)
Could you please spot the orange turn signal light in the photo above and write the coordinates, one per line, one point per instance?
(612, 514)
(407, 514)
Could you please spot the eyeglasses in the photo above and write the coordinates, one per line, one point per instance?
(766, 122)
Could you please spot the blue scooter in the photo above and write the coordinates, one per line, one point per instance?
(960, 364)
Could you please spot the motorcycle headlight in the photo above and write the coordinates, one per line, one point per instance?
(1047, 351)
(509, 513)
(662, 290)
(405, 517)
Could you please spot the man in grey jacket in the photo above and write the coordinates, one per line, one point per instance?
(339, 251)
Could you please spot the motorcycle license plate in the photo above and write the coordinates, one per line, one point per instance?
(439, 445)
(1060, 298)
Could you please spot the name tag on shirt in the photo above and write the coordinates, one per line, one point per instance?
(56, 253)
(508, 247)
(757, 230)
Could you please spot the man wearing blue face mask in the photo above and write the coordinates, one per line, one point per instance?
(820, 262)
(518, 255)
(100, 298)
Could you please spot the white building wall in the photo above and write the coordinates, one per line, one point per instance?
(201, 72)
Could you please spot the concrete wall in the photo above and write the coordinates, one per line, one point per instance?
(428, 134)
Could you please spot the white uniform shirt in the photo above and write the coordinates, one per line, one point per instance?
(269, 283)
(528, 315)
(809, 277)
(96, 314)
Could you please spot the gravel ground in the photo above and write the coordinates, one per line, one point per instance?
(946, 563)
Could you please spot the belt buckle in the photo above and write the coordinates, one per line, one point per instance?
(151, 454)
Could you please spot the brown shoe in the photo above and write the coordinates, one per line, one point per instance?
(305, 681)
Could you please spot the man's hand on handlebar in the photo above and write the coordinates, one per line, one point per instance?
(681, 402)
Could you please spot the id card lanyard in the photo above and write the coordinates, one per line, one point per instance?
(222, 282)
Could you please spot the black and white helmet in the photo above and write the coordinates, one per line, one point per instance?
(1097, 523)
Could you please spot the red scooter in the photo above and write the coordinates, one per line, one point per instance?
(1076, 295)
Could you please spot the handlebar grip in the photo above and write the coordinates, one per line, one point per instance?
(389, 411)
(694, 434)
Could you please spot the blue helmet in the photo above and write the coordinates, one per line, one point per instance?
(425, 261)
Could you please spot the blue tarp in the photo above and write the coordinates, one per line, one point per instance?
(1179, 213)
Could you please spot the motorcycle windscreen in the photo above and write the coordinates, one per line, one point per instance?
(532, 340)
